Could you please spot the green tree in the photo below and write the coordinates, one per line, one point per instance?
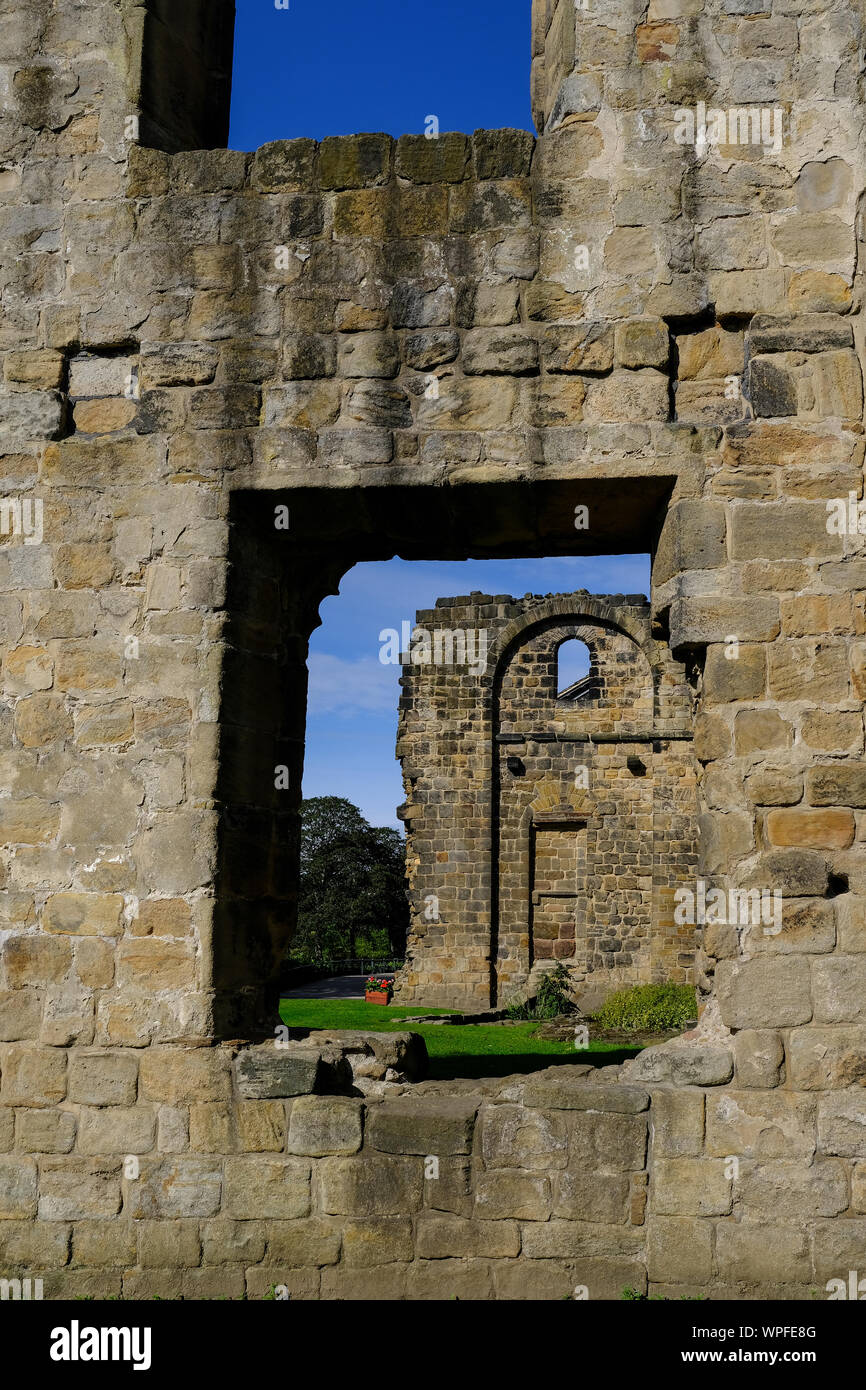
(352, 898)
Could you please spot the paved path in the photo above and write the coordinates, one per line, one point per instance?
(336, 987)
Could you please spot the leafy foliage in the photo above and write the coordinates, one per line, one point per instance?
(648, 1008)
(553, 999)
(352, 897)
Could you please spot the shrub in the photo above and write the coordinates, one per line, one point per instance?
(554, 994)
(554, 998)
(648, 1008)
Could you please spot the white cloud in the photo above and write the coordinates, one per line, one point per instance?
(338, 686)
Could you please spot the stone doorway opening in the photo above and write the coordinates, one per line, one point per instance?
(289, 549)
(558, 889)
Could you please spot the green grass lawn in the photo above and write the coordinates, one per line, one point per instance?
(456, 1050)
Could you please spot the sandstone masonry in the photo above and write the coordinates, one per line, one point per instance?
(545, 827)
(218, 380)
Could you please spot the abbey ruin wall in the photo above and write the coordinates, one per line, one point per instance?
(540, 828)
(226, 378)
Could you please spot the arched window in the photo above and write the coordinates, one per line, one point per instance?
(573, 666)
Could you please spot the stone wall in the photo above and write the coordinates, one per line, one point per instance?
(571, 854)
(216, 1173)
(666, 330)
(209, 1175)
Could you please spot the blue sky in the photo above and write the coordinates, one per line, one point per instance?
(352, 706)
(344, 66)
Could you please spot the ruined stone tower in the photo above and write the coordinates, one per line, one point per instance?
(544, 826)
(217, 395)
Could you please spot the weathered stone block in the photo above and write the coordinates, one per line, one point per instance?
(368, 355)
(837, 1248)
(796, 873)
(584, 348)
(323, 1125)
(677, 1123)
(838, 985)
(241, 1242)
(607, 1143)
(762, 1253)
(764, 993)
(684, 1066)
(720, 620)
(103, 1078)
(84, 914)
(642, 343)
(446, 1237)
(156, 963)
(502, 154)
(266, 1188)
(555, 1090)
(210, 1128)
(771, 1125)
(17, 1188)
(354, 161)
(811, 829)
(32, 1076)
(807, 927)
(509, 353)
(814, 670)
(285, 166)
(305, 1243)
(730, 673)
(679, 1250)
(851, 922)
(759, 1055)
(117, 1129)
(272, 1073)
(512, 1137)
(500, 1194)
(261, 1126)
(842, 1123)
(790, 1190)
(690, 1187)
(74, 1189)
(693, 537)
(625, 396)
(178, 1076)
(33, 1245)
(441, 160)
(176, 1187)
(20, 1014)
(43, 1131)
(580, 1196)
(836, 784)
(427, 1126)
(168, 1244)
(826, 1058)
(370, 1186)
(103, 1243)
(564, 1240)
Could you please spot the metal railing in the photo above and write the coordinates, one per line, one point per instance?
(348, 965)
